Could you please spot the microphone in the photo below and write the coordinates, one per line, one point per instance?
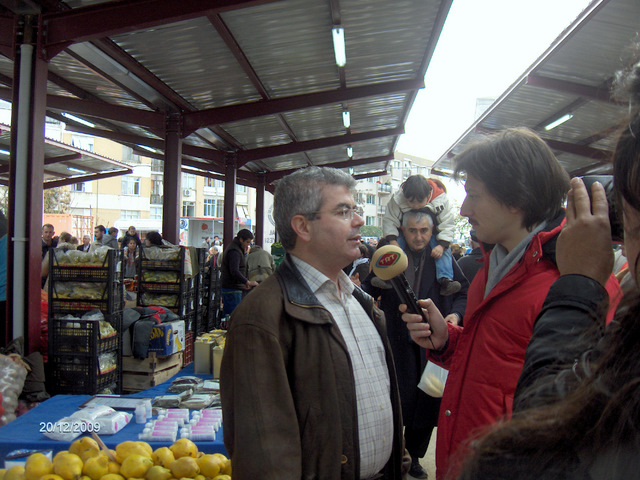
(389, 263)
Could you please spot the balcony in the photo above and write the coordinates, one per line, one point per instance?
(384, 189)
(155, 199)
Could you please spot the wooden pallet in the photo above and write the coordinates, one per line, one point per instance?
(139, 375)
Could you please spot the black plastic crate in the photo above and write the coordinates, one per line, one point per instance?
(107, 271)
(82, 337)
(79, 375)
(159, 258)
(112, 300)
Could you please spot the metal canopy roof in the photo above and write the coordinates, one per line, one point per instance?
(254, 81)
(572, 77)
(64, 164)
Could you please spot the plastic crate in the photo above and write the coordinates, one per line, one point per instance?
(79, 375)
(107, 271)
(158, 258)
(80, 337)
(112, 300)
(187, 354)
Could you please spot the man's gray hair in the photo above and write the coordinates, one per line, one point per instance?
(417, 216)
(300, 193)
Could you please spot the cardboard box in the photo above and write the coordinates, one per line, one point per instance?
(167, 338)
(202, 354)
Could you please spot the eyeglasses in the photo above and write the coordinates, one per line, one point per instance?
(345, 212)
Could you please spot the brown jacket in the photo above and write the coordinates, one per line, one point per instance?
(288, 393)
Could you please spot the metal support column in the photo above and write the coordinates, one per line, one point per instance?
(229, 228)
(260, 189)
(172, 179)
(25, 186)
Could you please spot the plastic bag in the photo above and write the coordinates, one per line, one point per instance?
(433, 380)
(12, 377)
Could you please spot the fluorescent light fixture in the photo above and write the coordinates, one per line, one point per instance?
(346, 118)
(349, 151)
(559, 121)
(5, 152)
(338, 46)
(76, 170)
(78, 119)
(148, 149)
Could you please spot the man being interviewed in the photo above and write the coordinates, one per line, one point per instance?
(307, 379)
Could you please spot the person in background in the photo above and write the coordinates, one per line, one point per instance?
(260, 264)
(130, 233)
(233, 274)
(86, 243)
(472, 261)
(206, 243)
(111, 238)
(153, 239)
(47, 238)
(419, 410)
(130, 257)
(456, 251)
(307, 382)
(418, 192)
(216, 240)
(99, 232)
(515, 194)
(576, 409)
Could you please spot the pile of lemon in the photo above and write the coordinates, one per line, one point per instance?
(130, 460)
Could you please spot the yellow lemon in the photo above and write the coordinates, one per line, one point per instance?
(80, 445)
(147, 448)
(59, 454)
(227, 463)
(96, 467)
(112, 476)
(223, 477)
(158, 472)
(185, 467)
(163, 456)
(210, 465)
(113, 467)
(15, 473)
(124, 449)
(51, 476)
(85, 477)
(200, 477)
(37, 465)
(68, 466)
(135, 466)
(184, 448)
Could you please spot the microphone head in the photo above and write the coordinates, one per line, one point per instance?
(388, 262)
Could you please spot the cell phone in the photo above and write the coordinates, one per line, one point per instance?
(617, 232)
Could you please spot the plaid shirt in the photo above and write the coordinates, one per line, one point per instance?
(375, 417)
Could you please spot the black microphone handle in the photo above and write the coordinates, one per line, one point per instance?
(407, 296)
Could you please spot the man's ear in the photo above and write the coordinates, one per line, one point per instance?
(302, 226)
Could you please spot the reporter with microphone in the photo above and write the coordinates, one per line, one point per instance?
(413, 269)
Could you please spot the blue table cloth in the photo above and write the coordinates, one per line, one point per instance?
(25, 431)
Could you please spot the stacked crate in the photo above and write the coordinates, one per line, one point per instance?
(77, 346)
(200, 293)
(212, 298)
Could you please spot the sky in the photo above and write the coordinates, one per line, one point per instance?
(484, 47)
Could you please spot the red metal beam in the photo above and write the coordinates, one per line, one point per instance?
(106, 19)
(233, 113)
(370, 174)
(62, 158)
(7, 35)
(86, 178)
(600, 94)
(273, 176)
(275, 151)
(582, 150)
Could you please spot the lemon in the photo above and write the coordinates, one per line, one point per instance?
(51, 476)
(124, 449)
(112, 476)
(210, 465)
(113, 467)
(15, 473)
(184, 448)
(163, 456)
(135, 466)
(36, 466)
(68, 466)
(60, 454)
(82, 444)
(185, 467)
(146, 447)
(96, 466)
(158, 472)
(227, 463)
(223, 477)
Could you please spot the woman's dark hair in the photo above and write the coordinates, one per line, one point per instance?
(154, 238)
(416, 187)
(519, 169)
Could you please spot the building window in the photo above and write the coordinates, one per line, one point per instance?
(84, 142)
(220, 208)
(155, 213)
(396, 164)
(157, 165)
(370, 220)
(188, 209)
(371, 199)
(130, 185)
(130, 214)
(218, 183)
(189, 181)
(209, 207)
(209, 182)
(78, 187)
(241, 188)
(128, 156)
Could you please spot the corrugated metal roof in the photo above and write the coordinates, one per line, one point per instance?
(231, 63)
(572, 76)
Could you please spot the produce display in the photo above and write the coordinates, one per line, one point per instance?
(79, 290)
(130, 460)
(79, 258)
(160, 276)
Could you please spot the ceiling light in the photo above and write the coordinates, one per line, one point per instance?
(350, 151)
(78, 119)
(148, 149)
(559, 121)
(346, 119)
(338, 46)
(76, 170)
(5, 152)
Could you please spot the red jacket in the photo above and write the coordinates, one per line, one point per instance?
(485, 358)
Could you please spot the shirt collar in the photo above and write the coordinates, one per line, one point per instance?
(316, 279)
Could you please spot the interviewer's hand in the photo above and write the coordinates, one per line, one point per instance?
(421, 331)
(584, 245)
(437, 251)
